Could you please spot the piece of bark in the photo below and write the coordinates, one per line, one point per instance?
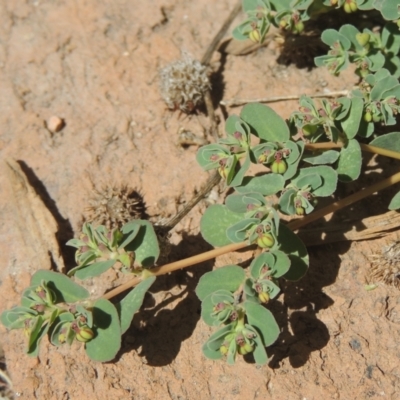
(35, 222)
(367, 228)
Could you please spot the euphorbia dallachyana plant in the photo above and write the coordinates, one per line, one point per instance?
(298, 161)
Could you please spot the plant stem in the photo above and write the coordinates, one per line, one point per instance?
(366, 147)
(293, 225)
(187, 262)
(337, 205)
(240, 102)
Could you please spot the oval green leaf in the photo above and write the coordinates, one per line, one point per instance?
(263, 320)
(214, 223)
(95, 269)
(228, 278)
(265, 122)
(131, 303)
(64, 288)
(349, 166)
(107, 341)
(145, 244)
(294, 248)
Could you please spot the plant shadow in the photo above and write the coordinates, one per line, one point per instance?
(157, 331)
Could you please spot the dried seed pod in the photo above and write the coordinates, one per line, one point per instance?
(183, 83)
(115, 206)
(386, 266)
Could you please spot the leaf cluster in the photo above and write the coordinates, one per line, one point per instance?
(290, 15)
(56, 305)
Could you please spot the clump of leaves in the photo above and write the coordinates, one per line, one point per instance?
(55, 305)
(292, 15)
(183, 83)
(369, 51)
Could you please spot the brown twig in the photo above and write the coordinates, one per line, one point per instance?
(366, 147)
(293, 225)
(240, 102)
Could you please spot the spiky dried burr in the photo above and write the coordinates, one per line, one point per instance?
(183, 83)
(114, 206)
(386, 266)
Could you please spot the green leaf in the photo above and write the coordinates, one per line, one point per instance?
(39, 330)
(331, 36)
(250, 5)
(329, 179)
(230, 124)
(63, 287)
(286, 202)
(349, 166)
(107, 341)
(238, 232)
(382, 86)
(229, 277)
(207, 308)
(211, 354)
(351, 123)
(293, 247)
(265, 122)
(218, 337)
(366, 129)
(259, 353)
(131, 232)
(145, 244)
(389, 9)
(239, 175)
(205, 153)
(238, 203)
(314, 181)
(214, 223)
(131, 303)
(15, 318)
(95, 269)
(267, 185)
(59, 324)
(263, 320)
(395, 202)
(390, 141)
(325, 157)
(211, 347)
(277, 261)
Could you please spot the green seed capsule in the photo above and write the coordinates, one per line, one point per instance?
(265, 240)
(84, 335)
(255, 36)
(363, 38)
(224, 350)
(279, 167)
(263, 297)
(367, 117)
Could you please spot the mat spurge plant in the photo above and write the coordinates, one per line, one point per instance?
(273, 169)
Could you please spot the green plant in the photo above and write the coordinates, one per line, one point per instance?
(301, 160)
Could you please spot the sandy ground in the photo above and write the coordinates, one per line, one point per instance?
(95, 65)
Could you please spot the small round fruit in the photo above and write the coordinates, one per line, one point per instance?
(265, 240)
(279, 167)
(255, 36)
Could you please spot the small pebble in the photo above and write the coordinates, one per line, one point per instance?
(55, 124)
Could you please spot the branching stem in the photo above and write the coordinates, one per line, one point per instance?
(293, 225)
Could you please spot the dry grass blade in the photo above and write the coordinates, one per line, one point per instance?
(367, 228)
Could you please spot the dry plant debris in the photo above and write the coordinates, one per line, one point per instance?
(114, 206)
(184, 83)
(386, 266)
